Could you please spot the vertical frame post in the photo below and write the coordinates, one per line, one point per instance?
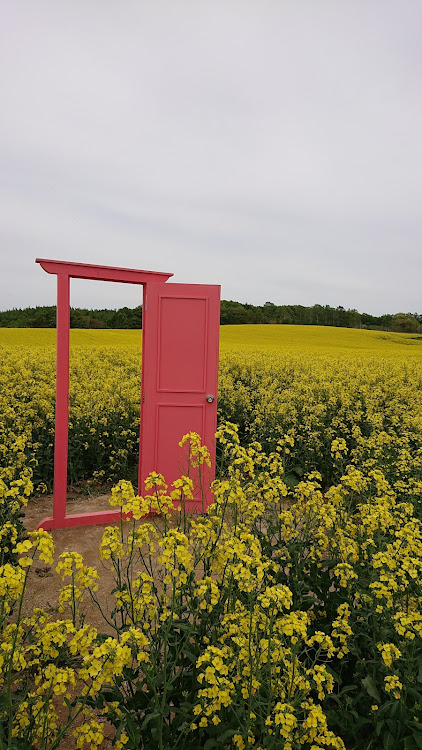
(62, 400)
(143, 360)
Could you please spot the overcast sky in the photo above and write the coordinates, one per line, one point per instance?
(270, 146)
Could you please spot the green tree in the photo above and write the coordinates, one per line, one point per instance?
(405, 323)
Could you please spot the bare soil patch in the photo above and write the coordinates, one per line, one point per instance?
(44, 583)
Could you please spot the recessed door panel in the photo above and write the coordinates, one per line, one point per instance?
(174, 421)
(182, 344)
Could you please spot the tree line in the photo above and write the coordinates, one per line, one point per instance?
(45, 317)
(317, 315)
(232, 313)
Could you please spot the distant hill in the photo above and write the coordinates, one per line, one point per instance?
(232, 313)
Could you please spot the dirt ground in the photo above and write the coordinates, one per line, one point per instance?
(44, 583)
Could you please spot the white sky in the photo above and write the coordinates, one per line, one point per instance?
(270, 146)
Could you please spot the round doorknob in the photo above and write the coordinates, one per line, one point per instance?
(210, 398)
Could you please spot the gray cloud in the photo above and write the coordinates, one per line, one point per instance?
(271, 147)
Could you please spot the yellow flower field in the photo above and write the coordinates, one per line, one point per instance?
(281, 619)
(310, 386)
(287, 617)
(262, 337)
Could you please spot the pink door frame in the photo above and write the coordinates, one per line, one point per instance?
(149, 280)
(65, 271)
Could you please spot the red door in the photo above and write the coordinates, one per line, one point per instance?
(179, 378)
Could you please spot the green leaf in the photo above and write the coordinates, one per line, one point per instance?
(226, 735)
(371, 688)
(346, 689)
(132, 730)
(389, 742)
(379, 727)
(148, 718)
(415, 695)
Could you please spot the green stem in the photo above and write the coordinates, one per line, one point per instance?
(10, 665)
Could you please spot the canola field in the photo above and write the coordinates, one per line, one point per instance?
(333, 396)
(289, 616)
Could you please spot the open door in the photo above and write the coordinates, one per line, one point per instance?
(180, 377)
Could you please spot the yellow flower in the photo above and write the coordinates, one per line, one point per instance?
(389, 653)
(393, 685)
(238, 741)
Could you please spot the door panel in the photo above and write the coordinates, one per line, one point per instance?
(182, 329)
(179, 370)
(174, 421)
